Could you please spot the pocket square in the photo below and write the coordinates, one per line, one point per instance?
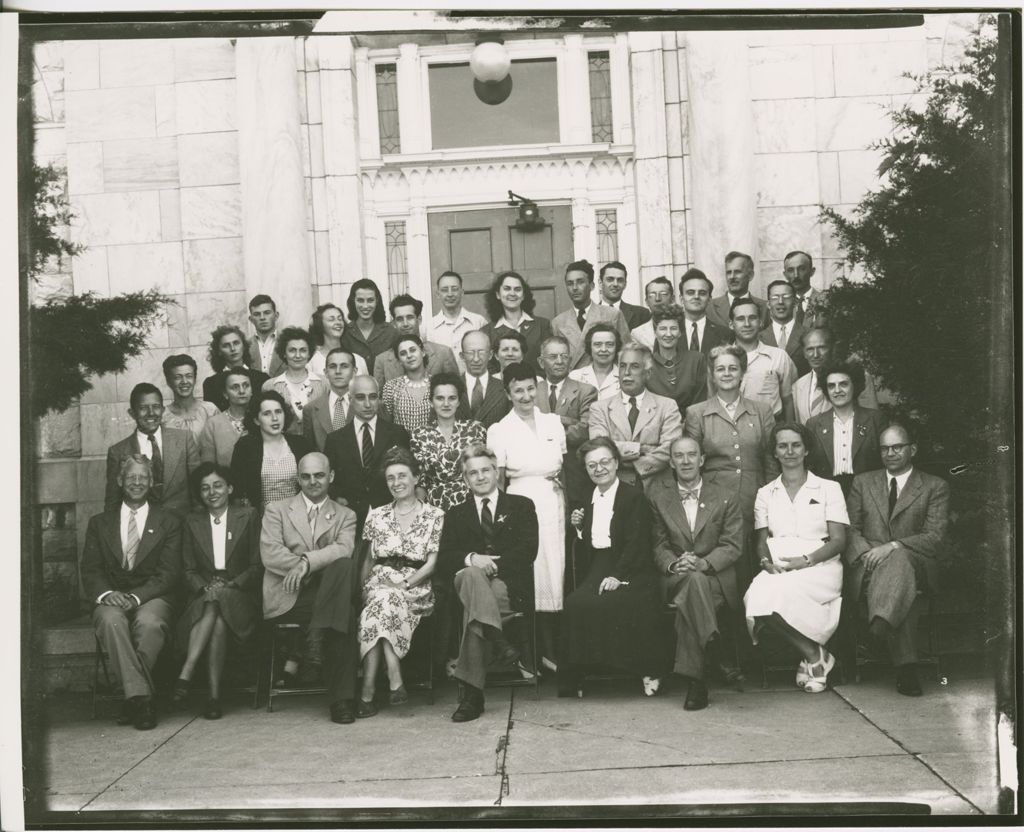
(814, 502)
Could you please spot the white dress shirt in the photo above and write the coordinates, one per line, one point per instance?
(644, 334)
(688, 326)
(449, 331)
(219, 530)
(777, 329)
(690, 504)
(358, 424)
(842, 444)
(332, 400)
(141, 515)
(145, 448)
(601, 519)
(492, 505)
(901, 481)
(639, 399)
(266, 349)
(730, 407)
(309, 507)
(471, 383)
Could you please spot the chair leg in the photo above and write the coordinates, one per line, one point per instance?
(270, 670)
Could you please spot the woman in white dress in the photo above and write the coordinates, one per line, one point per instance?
(602, 343)
(800, 524)
(529, 446)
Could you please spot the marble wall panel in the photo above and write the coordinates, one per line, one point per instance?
(316, 150)
(674, 129)
(322, 257)
(318, 190)
(786, 179)
(141, 267)
(784, 125)
(166, 103)
(105, 424)
(205, 106)
(95, 115)
(653, 227)
(89, 271)
(858, 173)
(136, 63)
(104, 390)
(147, 367)
(677, 220)
(824, 71)
(851, 123)
(208, 159)
(877, 68)
(50, 142)
(81, 64)
(670, 60)
(647, 82)
(59, 435)
(214, 265)
(213, 211)
(676, 184)
(85, 168)
(828, 177)
(303, 104)
(140, 164)
(57, 481)
(781, 72)
(91, 472)
(170, 215)
(177, 323)
(112, 219)
(208, 310)
(781, 230)
(313, 108)
(203, 59)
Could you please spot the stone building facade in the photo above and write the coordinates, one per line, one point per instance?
(214, 169)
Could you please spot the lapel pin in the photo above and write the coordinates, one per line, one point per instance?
(150, 531)
(229, 536)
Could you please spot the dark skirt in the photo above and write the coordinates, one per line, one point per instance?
(622, 629)
(240, 610)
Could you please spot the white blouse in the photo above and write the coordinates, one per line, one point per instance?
(601, 519)
(817, 503)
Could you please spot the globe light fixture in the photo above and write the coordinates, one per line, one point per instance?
(490, 61)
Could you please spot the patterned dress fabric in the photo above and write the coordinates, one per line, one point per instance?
(407, 403)
(440, 472)
(194, 421)
(280, 478)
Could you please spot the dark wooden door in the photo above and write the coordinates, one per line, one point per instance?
(479, 244)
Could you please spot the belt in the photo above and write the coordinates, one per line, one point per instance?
(398, 563)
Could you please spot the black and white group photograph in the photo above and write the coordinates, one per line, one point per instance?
(488, 417)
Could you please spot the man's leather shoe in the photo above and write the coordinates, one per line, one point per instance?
(696, 696)
(906, 680)
(145, 714)
(504, 652)
(366, 709)
(213, 709)
(471, 704)
(343, 712)
(127, 714)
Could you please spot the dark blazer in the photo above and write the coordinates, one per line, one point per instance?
(630, 533)
(256, 361)
(180, 454)
(573, 405)
(534, 332)
(634, 315)
(686, 382)
(718, 310)
(867, 426)
(157, 568)
(247, 465)
(494, 408)
(794, 343)
(213, 386)
(717, 535)
(714, 336)
(515, 539)
(241, 549)
(382, 336)
(918, 522)
(362, 488)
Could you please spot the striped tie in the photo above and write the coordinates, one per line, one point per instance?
(131, 546)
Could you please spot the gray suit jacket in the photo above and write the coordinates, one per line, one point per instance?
(566, 325)
(494, 408)
(286, 535)
(718, 310)
(316, 419)
(574, 401)
(918, 522)
(657, 425)
(217, 440)
(180, 454)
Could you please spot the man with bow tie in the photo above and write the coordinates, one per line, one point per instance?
(898, 519)
(698, 536)
(131, 564)
(306, 546)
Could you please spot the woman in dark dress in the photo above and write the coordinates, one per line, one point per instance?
(366, 335)
(220, 551)
(510, 304)
(613, 617)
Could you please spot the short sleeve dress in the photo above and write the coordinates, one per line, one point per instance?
(808, 599)
(194, 421)
(391, 612)
(440, 471)
(407, 403)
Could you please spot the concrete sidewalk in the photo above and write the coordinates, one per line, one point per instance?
(855, 743)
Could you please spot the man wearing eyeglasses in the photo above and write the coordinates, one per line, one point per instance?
(898, 519)
(783, 330)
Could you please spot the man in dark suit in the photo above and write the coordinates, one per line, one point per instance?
(356, 450)
(699, 334)
(332, 410)
(898, 520)
(174, 454)
(698, 535)
(798, 268)
(131, 565)
(613, 282)
(489, 543)
(306, 545)
(485, 399)
(739, 271)
(783, 330)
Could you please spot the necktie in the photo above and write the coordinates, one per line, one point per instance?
(815, 404)
(313, 512)
(131, 546)
(486, 520)
(477, 397)
(782, 337)
(633, 413)
(581, 319)
(688, 495)
(552, 398)
(694, 343)
(892, 495)
(156, 460)
(338, 416)
(367, 448)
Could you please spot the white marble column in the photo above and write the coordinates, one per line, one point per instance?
(721, 140)
(573, 92)
(414, 138)
(275, 249)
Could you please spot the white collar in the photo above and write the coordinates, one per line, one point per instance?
(493, 497)
(525, 316)
(470, 379)
(812, 482)
(733, 298)
(639, 397)
(441, 318)
(609, 494)
(901, 479)
(309, 503)
(372, 423)
(157, 434)
(140, 513)
(696, 490)
(612, 304)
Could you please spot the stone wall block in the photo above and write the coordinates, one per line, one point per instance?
(85, 168)
(140, 164)
(116, 218)
(784, 126)
(786, 179)
(653, 227)
(151, 266)
(208, 159)
(318, 191)
(89, 271)
(56, 483)
(214, 265)
(81, 64)
(669, 58)
(203, 59)
(59, 434)
(170, 215)
(136, 63)
(781, 230)
(208, 310)
(674, 129)
(828, 177)
(176, 315)
(205, 106)
(146, 367)
(51, 144)
(105, 424)
(313, 108)
(213, 211)
(676, 184)
(877, 68)
(858, 173)
(679, 245)
(781, 72)
(103, 391)
(95, 115)
(824, 72)
(166, 102)
(852, 123)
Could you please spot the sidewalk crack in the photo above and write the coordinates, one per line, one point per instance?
(501, 752)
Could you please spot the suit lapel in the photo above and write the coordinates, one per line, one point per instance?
(110, 527)
(703, 512)
(860, 431)
(147, 539)
(297, 513)
(235, 526)
(323, 415)
(172, 453)
(675, 512)
(825, 434)
(492, 397)
(204, 535)
(908, 495)
(646, 413)
(617, 411)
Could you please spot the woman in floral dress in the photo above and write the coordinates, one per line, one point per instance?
(438, 445)
(406, 399)
(404, 538)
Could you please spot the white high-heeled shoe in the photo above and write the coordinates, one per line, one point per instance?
(651, 685)
(802, 674)
(819, 681)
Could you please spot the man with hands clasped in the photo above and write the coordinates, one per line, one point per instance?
(698, 536)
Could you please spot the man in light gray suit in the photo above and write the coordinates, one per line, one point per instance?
(739, 271)
(332, 410)
(574, 324)
(898, 519)
(640, 423)
(306, 546)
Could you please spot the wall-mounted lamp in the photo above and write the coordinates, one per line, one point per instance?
(490, 64)
(529, 214)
